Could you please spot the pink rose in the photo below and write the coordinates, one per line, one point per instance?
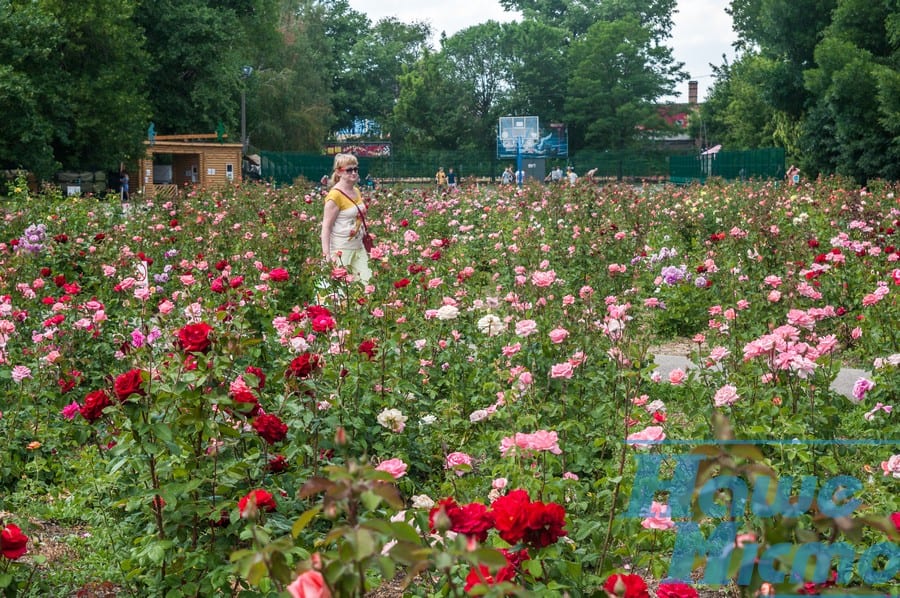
(543, 440)
(309, 584)
(892, 466)
(459, 462)
(526, 327)
(677, 376)
(562, 370)
(558, 335)
(652, 435)
(395, 467)
(659, 517)
(727, 395)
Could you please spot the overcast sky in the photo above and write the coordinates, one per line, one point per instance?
(701, 35)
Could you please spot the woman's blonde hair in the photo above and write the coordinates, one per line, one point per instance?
(342, 161)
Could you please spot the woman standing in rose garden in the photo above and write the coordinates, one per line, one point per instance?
(344, 220)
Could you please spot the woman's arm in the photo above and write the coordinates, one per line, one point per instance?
(328, 217)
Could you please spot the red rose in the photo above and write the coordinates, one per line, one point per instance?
(256, 500)
(278, 274)
(313, 311)
(473, 520)
(508, 573)
(625, 585)
(323, 323)
(303, 365)
(260, 376)
(195, 337)
(277, 464)
(675, 590)
(895, 518)
(217, 285)
(545, 524)
(13, 543)
(246, 402)
(45, 271)
(128, 384)
(94, 404)
(510, 514)
(221, 265)
(449, 508)
(270, 428)
(401, 283)
(367, 348)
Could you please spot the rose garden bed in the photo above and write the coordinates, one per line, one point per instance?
(179, 389)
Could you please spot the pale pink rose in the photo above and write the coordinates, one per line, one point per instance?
(650, 436)
(891, 467)
(562, 370)
(570, 476)
(658, 518)
(543, 279)
(309, 584)
(558, 335)
(395, 467)
(677, 376)
(543, 440)
(510, 350)
(459, 462)
(856, 333)
(526, 327)
(499, 483)
(727, 395)
(774, 296)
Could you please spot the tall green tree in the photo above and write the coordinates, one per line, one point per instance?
(72, 82)
(538, 70)
(618, 76)
(29, 38)
(289, 98)
(432, 109)
(198, 50)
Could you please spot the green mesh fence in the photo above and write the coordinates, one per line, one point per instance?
(287, 167)
(742, 165)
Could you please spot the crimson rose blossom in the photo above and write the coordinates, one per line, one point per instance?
(195, 337)
(511, 515)
(13, 543)
(675, 590)
(128, 384)
(625, 585)
(258, 499)
(303, 365)
(278, 274)
(508, 573)
(545, 524)
(94, 404)
(367, 348)
(270, 428)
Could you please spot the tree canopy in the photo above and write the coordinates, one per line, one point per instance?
(80, 82)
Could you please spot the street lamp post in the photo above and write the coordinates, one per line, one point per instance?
(246, 71)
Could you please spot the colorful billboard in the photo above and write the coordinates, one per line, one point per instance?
(360, 149)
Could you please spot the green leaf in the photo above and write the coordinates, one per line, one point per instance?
(304, 519)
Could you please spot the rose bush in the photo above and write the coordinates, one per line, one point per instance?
(495, 327)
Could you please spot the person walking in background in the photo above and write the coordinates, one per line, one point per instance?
(452, 181)
(507, 177)
(520, 178)
(343, 221)
(441, 179)
(571, 176)
(124, 185)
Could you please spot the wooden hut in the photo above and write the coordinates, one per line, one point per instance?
(196, 160)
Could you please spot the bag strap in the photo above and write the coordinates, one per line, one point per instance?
(361, 215)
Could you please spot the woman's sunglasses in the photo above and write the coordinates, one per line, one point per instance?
(351, 169)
